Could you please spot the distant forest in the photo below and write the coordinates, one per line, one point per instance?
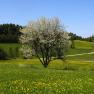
(76, 37)
(9, 33)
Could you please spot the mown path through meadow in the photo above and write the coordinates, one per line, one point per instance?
(80, 54)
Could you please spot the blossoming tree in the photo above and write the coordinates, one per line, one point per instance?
(46, 38)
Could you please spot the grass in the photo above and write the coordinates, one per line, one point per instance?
(81, 47)
(30, 77)
(75, 76)
(79, 51)
(6, 46)
(84, 44)
(11, 49)
(86, 57)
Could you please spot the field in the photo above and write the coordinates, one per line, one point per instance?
(6, 46)
(74, 76)
(11, 49)
(30, 77)
(81, 47)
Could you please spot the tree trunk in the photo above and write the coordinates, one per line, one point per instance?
(45, 65)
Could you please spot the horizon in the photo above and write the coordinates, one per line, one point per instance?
(77, 16)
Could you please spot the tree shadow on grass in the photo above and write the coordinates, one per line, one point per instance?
(65, 68)
(29, 66)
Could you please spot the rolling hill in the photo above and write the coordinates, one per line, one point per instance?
(80, 47)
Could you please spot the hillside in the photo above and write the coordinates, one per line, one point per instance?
(28, 76)
(80, 48)
(84, 44)
(11, 49)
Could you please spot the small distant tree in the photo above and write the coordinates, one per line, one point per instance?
(47, 38)
(91, 39)
(72, 38)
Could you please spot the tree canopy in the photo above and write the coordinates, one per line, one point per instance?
(47, 38)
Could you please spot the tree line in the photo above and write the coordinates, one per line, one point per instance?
(76, 37)
(9, 33)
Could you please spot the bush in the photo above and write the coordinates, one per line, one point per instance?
(3, 54)
(17, 52)
(11, 52)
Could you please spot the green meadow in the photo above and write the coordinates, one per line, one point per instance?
(28, 76)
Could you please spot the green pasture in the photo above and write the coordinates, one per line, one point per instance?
(20, 76)
(84, 44)
(11, 49)
(80, 47)
(28, 76)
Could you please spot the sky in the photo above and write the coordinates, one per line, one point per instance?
(76, 15)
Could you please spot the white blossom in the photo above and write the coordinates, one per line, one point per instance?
(45, 34)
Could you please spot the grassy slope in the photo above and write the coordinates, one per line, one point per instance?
(29, 77)
(82, 47)
(8, 47)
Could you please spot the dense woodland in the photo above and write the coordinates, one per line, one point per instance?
(9, 33)
(76, 37)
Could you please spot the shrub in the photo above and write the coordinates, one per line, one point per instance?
(3, 54)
